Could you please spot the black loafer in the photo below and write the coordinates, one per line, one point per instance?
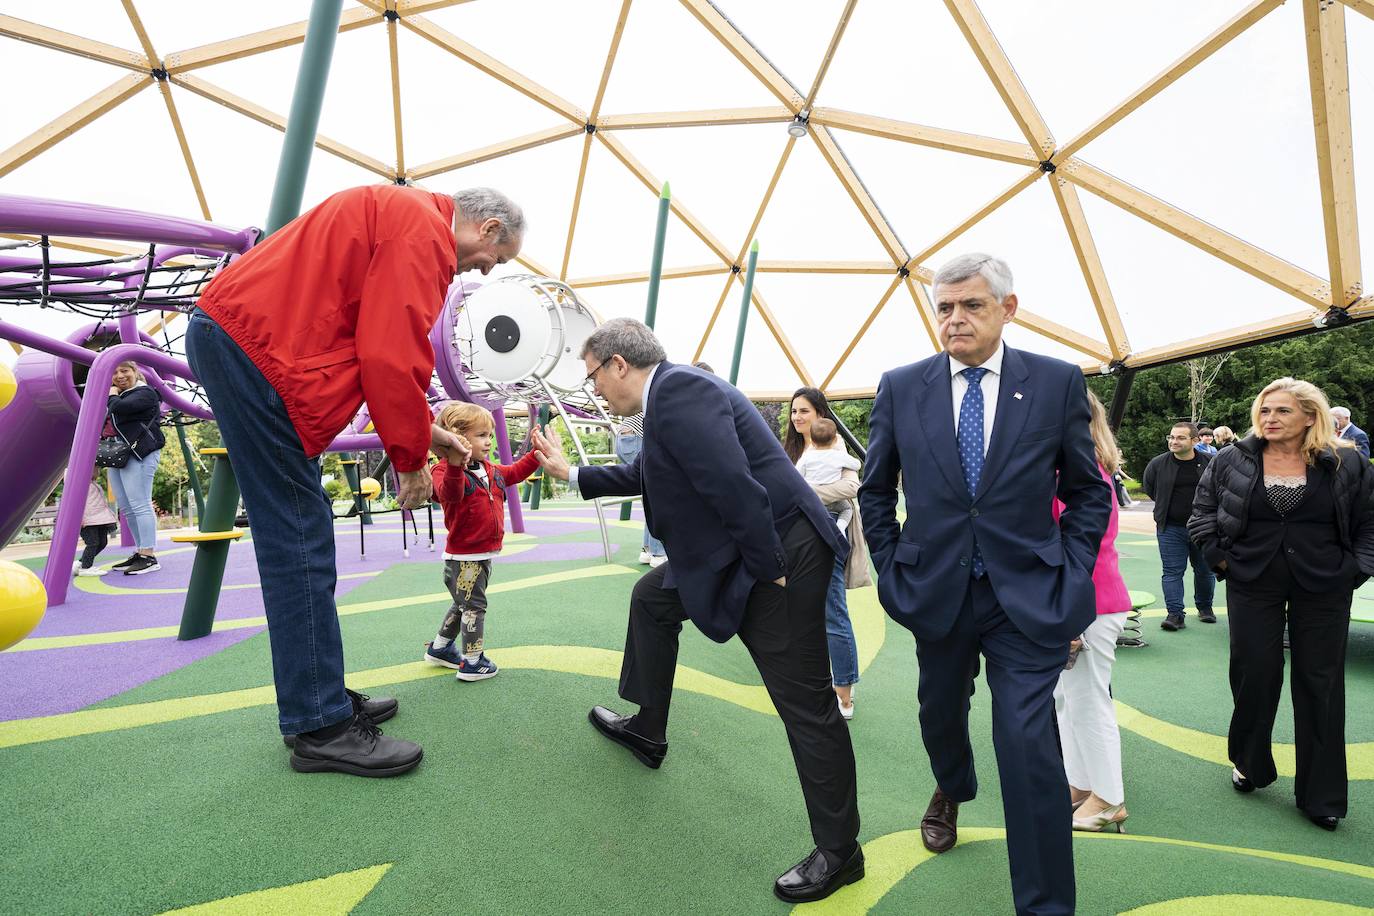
(361, 750)
(650, 753)
(378, 710)
(1325, 822)
(819, 875)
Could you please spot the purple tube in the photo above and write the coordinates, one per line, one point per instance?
(36, 216)
(503, 451)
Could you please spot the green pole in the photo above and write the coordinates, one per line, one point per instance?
(656, 266)
(538, 479)
(744, 311)
(207, 572)
(304, 118)
(191, 471)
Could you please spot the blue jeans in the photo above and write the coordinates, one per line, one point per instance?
(1176, 551)
(293, 529)
(627, 448)
(844, 655)
(133, 489)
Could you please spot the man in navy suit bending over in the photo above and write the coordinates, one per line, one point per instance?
(750, 554)
(984, 437)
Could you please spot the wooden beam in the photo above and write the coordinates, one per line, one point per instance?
(1330, 81)
(934, 137)
(823, 267)
(166, 92)
(1234, 26)
(994, 60)
(244, 107)
(642, 276)
(763, 204)
(1080, 235)
(1361, 6)
(859, 194)
(493, 68)
(715, 313)
(141, 32)
(68, 123)
(863, 329)
(764, 114)
(840, 26)
(924, 310)
(396, 91)
(495, 151)
(53, 39)
(577, 203)
(1243, 335)
(1016, 187)
(282, 36)
(416, 7)
(655, 185)
(725, 32)
(16, 348)
(610, 60)
(1255, 261)
(775, 328)
(1064, 335)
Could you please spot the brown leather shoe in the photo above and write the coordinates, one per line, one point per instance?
(940, 826)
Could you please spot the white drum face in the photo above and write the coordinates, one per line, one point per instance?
(516, 332)
(570, 371)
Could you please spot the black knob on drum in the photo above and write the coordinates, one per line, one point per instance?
(503, 334)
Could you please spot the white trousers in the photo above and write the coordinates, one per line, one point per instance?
(1087, 718)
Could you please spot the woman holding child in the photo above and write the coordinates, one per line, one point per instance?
(821, 457)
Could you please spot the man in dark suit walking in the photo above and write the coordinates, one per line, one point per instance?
(984, 438)
(750, 554)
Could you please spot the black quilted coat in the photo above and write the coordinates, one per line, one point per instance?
(1221, 507)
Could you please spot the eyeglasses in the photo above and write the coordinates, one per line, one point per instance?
(1178, 438)
(591, 376)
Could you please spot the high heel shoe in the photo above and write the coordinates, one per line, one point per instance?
(1240, 783)
(1096, 823)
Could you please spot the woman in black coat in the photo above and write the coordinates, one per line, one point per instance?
(134, 409)
(1286, 516)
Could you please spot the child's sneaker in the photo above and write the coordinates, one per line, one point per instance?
(447, 657)
(479, 670)
(90, 571)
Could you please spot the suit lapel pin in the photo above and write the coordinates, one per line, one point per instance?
(1017, 395)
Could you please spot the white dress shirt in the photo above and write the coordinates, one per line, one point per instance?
(643, 415)
(992, 383)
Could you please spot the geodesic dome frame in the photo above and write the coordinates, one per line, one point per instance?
(1097, 338)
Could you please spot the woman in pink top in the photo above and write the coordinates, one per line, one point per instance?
(1083, 700)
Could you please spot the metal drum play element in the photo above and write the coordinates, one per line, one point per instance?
(520, 329)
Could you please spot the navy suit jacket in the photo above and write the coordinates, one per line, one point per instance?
(1040, 571)
(718, 492)
(1358, 436)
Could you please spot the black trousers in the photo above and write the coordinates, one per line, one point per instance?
(784, 631)
(1318, 629)
(95, 537)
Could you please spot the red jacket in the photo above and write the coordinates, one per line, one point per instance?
(476, 517)
(336, 308)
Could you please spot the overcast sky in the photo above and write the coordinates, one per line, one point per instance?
(1232, 142)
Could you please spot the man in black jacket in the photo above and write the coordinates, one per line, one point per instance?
(1171, 480)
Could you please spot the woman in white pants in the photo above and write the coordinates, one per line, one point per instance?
(1083, 700)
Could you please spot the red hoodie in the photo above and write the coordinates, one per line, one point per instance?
(475, 516)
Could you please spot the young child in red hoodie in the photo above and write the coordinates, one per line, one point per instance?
(474, 503)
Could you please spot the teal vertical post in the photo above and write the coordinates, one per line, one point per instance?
(304, 119)
(192, 474)
(656, 266)
(744, 311)
(538, 479)
(207, 571)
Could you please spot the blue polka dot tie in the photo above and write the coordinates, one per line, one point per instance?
(971, 445)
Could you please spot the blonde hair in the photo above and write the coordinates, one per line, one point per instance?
(1104, 443)
(462, 417)
(130, 364)
(1321, 435)
(1223, 435)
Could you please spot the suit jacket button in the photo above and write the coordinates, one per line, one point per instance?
(973, 513)
(963, 561)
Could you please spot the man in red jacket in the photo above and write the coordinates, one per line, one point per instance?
(333, 310)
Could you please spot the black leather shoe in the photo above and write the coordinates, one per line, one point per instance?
(819, 875)
(940, 825)
(1207, 616)
(378, 710)
(650, 753)
(361, 750)
(1325, 822)
(1240, 783)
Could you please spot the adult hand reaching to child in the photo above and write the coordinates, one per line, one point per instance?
(549, 447)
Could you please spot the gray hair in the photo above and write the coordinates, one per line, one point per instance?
(975, 264)
(481, 204)
(1341, 412)
(631, 340)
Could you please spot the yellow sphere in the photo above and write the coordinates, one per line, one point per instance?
(23, 601)
(8, 385)
(370, 487)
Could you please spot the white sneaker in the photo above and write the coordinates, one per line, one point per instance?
(91, 571)
(846, 713)
(656, 562)
(644, 558)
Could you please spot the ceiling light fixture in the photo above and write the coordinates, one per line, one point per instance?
(798, 126)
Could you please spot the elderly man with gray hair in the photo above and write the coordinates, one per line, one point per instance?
(750, 552)
(1349, 431)
(983, 439)
(332, 310)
